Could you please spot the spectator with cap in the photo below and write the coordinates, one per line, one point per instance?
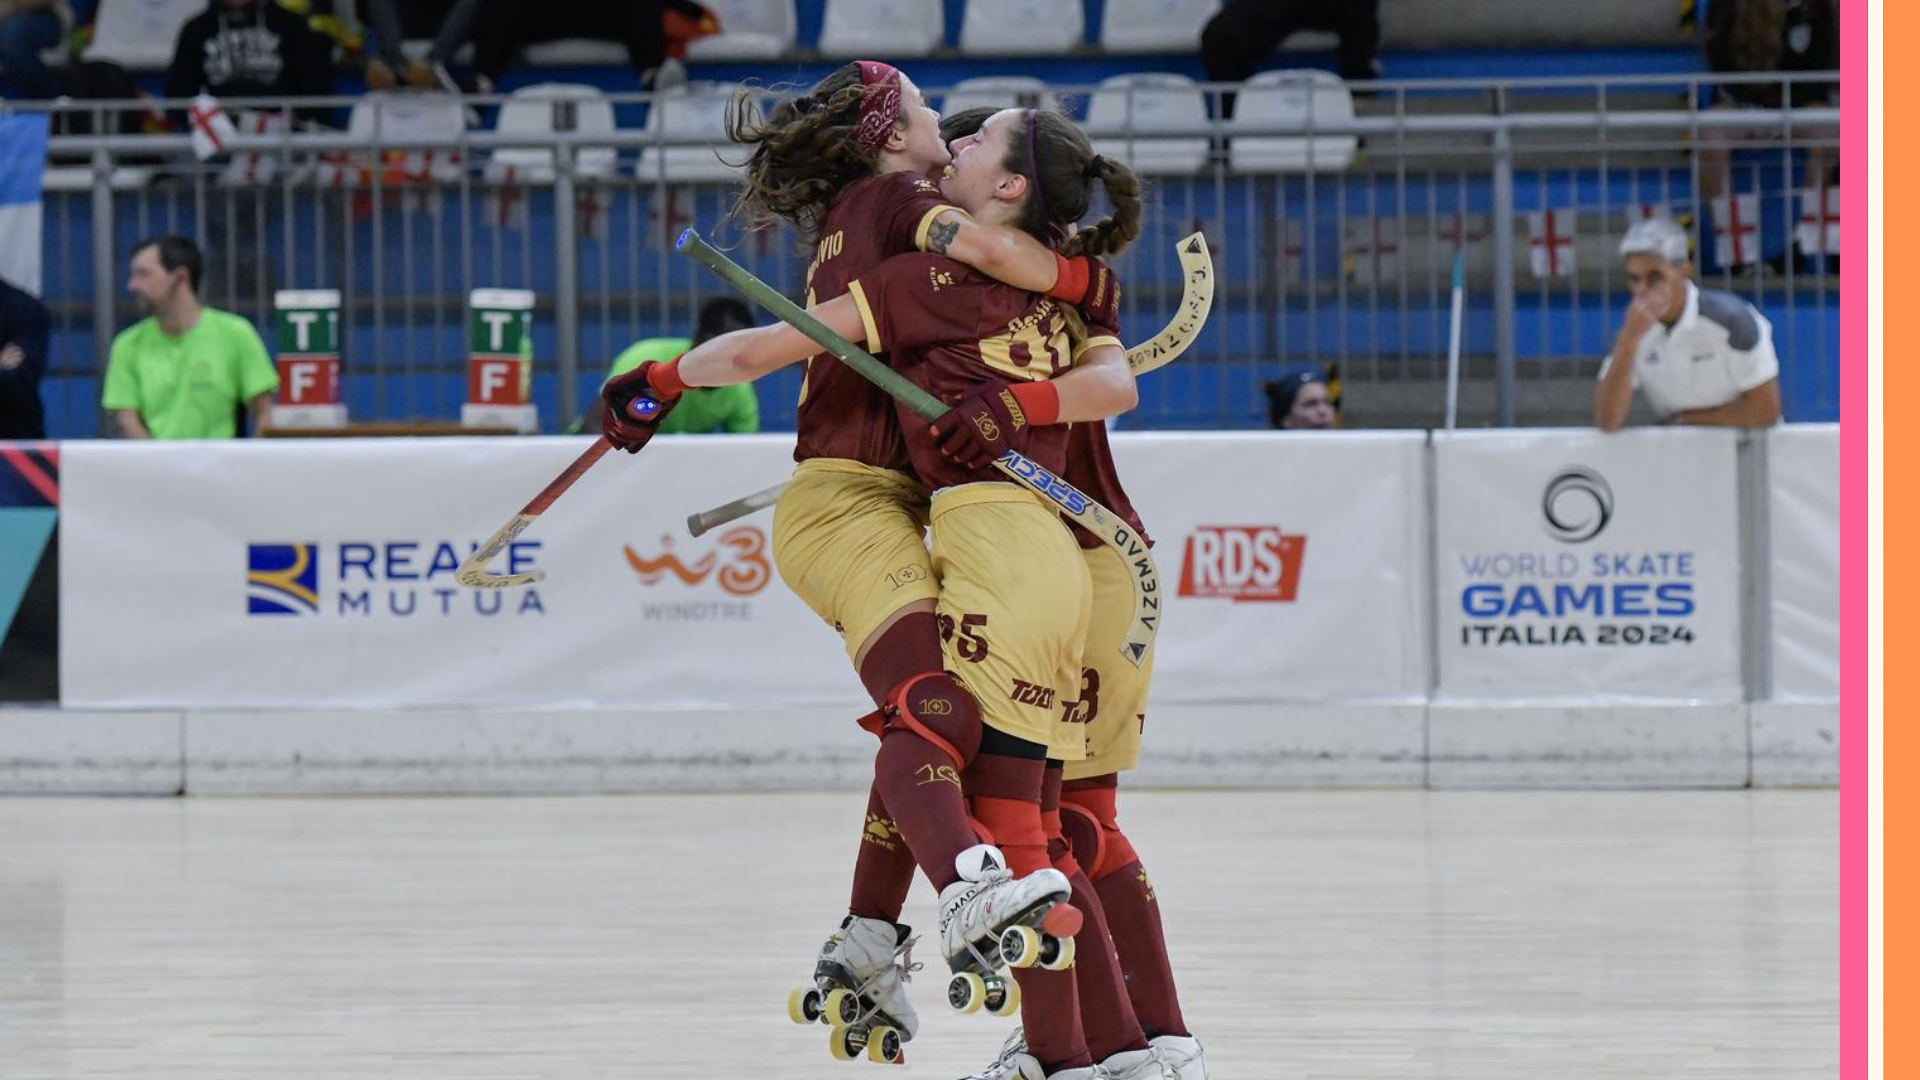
(1700, 356)
(1301, 401)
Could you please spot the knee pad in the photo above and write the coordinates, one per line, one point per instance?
(933, 706)
(1084, 836)
(1096, 806)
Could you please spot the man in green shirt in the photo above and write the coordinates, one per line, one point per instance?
(701, 410)
(182, 372)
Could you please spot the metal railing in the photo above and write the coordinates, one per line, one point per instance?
(1340, 258)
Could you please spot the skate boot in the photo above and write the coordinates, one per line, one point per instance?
(1126, 1065)
(989, 919)
(1024, 1066)
(1184, 1058)
(859, 990)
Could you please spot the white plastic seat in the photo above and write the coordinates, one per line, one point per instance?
(423, 130)
(548, 107)
(1292, 99)
(1164, 116)
(1155, 25)
(140, 34)
(749, 30)
(999, 92)
(1022, 27)
(696, 109)
(881, 29)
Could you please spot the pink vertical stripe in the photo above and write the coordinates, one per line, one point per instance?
(1853, 544)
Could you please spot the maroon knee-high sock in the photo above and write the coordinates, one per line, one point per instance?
(883, 870)
(1106, 1015)
(1133, 914)
(1050, 1015)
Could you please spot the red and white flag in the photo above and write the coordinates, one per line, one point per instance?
(506, 205)
(249, 169)
(1372, 249)
(1550, 242)
(212, 128)
(1736, 229)
(1461, 232)
(1819, 228)
(594, 205)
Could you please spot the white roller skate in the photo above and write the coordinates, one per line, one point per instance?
(1024, 1066)
(1127, 1065)
(989, 919)
(1184, 1058)
(859, 990)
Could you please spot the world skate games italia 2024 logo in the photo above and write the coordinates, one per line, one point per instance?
(1242, 563)
(383, 579)
(716, 582)
(1575, 588)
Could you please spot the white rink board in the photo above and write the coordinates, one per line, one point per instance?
(1577, 566)
(1803, 470)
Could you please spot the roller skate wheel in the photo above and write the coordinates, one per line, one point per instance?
(1056, 954)
(1006, 1001)
(842, 1008)
(803, 1005)
(966, 992)
(845, 1043)
(883, 1046)
(1020, 946)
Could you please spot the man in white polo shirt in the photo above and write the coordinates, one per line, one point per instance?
(1699, 355)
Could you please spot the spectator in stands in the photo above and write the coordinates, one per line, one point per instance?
(23, 360)
(1301, 401)
(184, 371)
(448, 22)
(28, 28)
(734, 410)
(1235, 41)
(250, 48)
(1700, 356)
(1781, 36)
(653, 32)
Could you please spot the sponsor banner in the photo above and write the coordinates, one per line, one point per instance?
(1293, 563)
(321, 574)
(1571, 564)
(1803, 469)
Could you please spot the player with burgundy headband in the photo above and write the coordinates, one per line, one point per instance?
(848, 164)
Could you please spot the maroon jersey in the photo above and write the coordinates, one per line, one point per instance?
(1090, 468)
(842, 415)
(951, 328)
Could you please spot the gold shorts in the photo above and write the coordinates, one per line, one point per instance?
(1112, 706)
(850, 541)
(1014, 605)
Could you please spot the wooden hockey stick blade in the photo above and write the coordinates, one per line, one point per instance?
(1196, 302)
(473, 572)
(1103, 523)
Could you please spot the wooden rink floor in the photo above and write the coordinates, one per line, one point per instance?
(1352, 935)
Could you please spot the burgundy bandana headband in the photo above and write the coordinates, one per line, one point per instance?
(879, 108)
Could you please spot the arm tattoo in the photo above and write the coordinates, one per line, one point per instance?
(940, 234)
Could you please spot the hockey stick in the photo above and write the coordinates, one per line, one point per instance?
(1097, 519)
(1196, 302)
(1453, 337)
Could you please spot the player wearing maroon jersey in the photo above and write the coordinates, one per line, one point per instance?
(1014, 588)
(848, 163)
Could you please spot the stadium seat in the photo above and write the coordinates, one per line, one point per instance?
(696, 109)
(1162, 111)
(1155, 25)
(140, 34)
(534, 110)
(435, 120)
(999, 92)
(749, 30)
(1291, 99)
(1022, 27)
(882, 28)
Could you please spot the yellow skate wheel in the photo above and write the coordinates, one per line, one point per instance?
(845, 1043)
(842, 1008)
(966, 992)
(803, 1005)
(1007, 1001)
(883, 1046)
(1020, 946)
(1057, 954)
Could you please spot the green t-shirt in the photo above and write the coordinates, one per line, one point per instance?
(702, 410)
(187, 387)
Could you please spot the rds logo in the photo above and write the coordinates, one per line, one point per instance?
(1242, 562)
(744, 570)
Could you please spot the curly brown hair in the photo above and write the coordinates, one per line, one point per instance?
(804, 154)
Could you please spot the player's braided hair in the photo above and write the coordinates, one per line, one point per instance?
(804, 154)
(1052, 146)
